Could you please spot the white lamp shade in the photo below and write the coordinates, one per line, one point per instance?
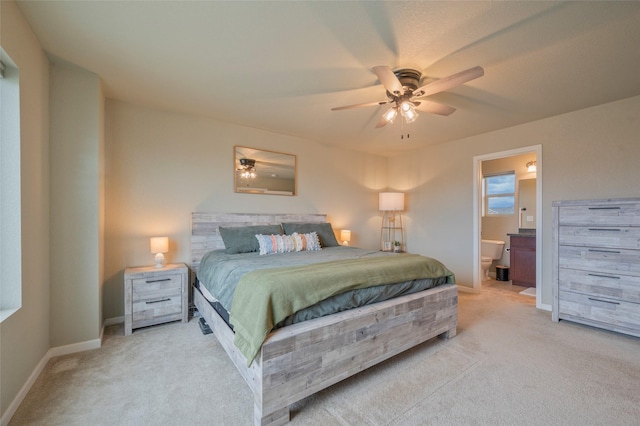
(391, 201)
(159, 244)
(345, 235)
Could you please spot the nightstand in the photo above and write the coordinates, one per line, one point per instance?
(155, 295)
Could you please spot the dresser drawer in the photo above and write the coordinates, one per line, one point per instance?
(611, 314)
(616, 261)
(597, 284)
(600, 236)
(610, 214)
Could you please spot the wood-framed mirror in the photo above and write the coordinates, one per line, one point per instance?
(527, 203)
(258, 171)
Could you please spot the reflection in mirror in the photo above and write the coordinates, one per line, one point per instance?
(527, 203)
(264, 172)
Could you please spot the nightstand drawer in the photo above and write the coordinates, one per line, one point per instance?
(157, 310)
(145, 289)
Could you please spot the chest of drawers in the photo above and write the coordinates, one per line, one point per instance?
(596, 263)
(154, 296)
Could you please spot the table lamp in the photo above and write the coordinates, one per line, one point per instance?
(159, 245)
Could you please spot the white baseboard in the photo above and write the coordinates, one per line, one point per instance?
(75, 347)
(113, 321)
(466, 289)
(51, 353)
(544, 307)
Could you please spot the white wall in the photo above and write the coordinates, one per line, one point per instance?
(24, 337)
(161, 166)
(586, 154)
(77, 198)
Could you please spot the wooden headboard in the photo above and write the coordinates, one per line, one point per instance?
(205, 235)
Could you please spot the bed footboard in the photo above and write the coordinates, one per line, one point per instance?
(302, 359)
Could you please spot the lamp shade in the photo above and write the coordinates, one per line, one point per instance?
(391, 201)
(345, 235)
(159, 244)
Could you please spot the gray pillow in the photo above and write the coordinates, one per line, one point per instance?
(242, 239)
(324, 231)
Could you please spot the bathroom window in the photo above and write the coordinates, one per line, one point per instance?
(499, 194)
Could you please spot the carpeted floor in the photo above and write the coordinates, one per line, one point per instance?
(509, 364)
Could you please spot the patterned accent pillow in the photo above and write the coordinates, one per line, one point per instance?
(270, 244)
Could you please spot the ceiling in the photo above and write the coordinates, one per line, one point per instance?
(282, 66)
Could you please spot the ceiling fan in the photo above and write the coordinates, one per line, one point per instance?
(404, 95)
(247, 168)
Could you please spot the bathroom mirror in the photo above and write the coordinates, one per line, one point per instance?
(257, 171)
(527, 204)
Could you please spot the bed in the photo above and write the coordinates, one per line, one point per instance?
(300, 359)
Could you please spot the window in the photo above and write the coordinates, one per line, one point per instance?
(499, 194)
(10, 223)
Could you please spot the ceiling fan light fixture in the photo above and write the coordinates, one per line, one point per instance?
(248, 174)
(408, 111)
(248, 168)
(390, 115)
(406, 106)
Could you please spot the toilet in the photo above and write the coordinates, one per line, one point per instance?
(490, 250)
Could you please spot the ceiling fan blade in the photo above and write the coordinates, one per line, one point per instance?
(388, 79)
(368, 104)
(434, 107)
(449, 82)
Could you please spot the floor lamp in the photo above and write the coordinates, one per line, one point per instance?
(391, 233)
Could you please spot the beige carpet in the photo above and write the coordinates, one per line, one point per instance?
(508, 365)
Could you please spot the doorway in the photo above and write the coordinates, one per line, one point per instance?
(536, 152)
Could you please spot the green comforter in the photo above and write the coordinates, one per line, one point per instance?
(263, 298)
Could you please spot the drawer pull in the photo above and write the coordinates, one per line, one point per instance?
(604, 208)
(158, 301)
(158, 281)
(605, 229)
(604, 301)
(604, 251)
(604, 276)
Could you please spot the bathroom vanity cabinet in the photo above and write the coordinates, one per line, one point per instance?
(596, 263)
(523, 259)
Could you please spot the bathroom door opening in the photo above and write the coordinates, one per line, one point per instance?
(505, 157)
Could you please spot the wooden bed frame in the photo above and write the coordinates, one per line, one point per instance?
(301, 359)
